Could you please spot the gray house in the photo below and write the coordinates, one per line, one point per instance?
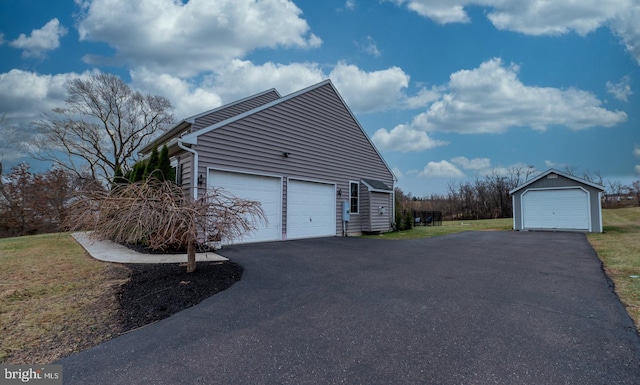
(557, 201)
(303, 156)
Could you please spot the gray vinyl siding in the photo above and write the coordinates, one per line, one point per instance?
(234, 109)
(380, 222)
(324, 141)
(364, 205)
(559, 182)
(186, 161)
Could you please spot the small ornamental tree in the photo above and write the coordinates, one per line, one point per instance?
(152, 164)
(162, 216)
(164, 165)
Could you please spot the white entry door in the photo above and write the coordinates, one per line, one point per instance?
(311, 209)
(264, 189)
(563, 209)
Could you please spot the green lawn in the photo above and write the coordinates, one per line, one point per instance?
(449, 227)
(619, 249)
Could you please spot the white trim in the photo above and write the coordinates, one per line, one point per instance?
(194, 168)
(193, 137)
(192, 119)
(371, 189)
(253, 173)
(334, 200)
(589, 228)
(513, 205)
(358, 183)
(550, 171)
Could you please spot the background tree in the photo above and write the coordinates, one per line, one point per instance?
(33, 203)
(101, 128)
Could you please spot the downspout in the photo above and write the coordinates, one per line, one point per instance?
(194, 171)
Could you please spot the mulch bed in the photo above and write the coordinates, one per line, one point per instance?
(156, 291)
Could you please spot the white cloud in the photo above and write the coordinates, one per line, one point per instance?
(626, 25)
(25, 95)
(350, 5)
(41, 40)
(637, 168)
(370, 47)
(188, 38)
(370, 91)
(491, 99)
(542, 17)
(472, 164)
(403, 138)
(488, 99)
(242, 78)
(423, 98)
(636, 150)
(442, 169)
(620, 90)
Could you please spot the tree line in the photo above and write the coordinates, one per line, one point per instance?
(487, 197)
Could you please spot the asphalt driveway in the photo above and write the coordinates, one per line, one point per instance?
(469, 308)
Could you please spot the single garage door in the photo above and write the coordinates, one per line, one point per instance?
(311, 209)
(556, 209)
(264, 189)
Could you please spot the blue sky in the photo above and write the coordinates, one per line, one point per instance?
(448, 90)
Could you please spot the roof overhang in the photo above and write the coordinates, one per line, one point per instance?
(560, 173)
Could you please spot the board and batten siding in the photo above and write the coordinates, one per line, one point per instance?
(321, 136)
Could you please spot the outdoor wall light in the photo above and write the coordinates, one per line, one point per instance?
(200, 180)
(340, 192)
(286, 154)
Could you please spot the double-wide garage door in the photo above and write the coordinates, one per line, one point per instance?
(310, 209)
(566, 209)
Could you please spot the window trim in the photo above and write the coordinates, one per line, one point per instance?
(357, 197)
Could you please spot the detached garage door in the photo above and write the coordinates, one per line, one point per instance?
(266, 190)
(566, 209)
(311, 209)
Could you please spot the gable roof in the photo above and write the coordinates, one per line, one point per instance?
(192, 138)
(222, 112)
(553, 171)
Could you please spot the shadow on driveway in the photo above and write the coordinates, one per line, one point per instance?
(468, 308)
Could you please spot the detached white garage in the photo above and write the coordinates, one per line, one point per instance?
(557, 201)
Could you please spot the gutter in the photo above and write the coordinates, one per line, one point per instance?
(194, 170)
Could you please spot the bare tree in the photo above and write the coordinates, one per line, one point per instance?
(162, 216)
(101, 128)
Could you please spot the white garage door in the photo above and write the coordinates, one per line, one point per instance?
(311, 209)
(555, 209)
(266, 190)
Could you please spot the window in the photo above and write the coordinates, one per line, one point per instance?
(179, 172)
(354, 188)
